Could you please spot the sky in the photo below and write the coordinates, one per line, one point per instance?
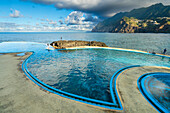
(62, 15)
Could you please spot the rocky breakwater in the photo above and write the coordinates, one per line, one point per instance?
(75, 43)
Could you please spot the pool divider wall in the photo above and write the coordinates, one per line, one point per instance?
(113, 48)
(148, 97)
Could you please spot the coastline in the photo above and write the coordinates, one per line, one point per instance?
(21, 95)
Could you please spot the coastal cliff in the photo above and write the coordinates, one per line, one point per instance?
(132, 25)
(75, 43)
(153, 19)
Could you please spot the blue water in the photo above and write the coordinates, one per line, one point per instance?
(157, 88)
(21, 54)
(139, 41)
(85, 72)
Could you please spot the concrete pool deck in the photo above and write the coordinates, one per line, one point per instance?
(18, 94)
(128, 90)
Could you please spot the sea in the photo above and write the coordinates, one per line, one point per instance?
(150, 42)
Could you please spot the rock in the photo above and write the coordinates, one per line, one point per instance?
(76, 43)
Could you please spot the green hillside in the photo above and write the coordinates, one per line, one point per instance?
(153, 12)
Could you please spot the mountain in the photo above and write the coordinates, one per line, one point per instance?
(152, 13)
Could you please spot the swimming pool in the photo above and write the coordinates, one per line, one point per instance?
(83, 74)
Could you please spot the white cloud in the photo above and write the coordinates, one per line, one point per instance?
(42, 19)
(77, 20)
(53, 23)
(13, 27)
(74, 18)
(10, 26)
(15, 14)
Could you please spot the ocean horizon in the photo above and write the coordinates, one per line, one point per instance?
(141, 41)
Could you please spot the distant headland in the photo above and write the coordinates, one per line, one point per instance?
(152, 19)
(61, 44)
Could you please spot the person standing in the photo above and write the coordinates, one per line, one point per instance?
(164, 51)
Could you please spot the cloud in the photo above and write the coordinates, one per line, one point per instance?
(7, 25)
(10, 26)
(90, 17)
(42, 19)
(77, 20)
(105, 8)
(47, 20)
(60, 21)
(42, 23)
(13, 27)
(53, 23)
(15, 14)
(74, 18)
